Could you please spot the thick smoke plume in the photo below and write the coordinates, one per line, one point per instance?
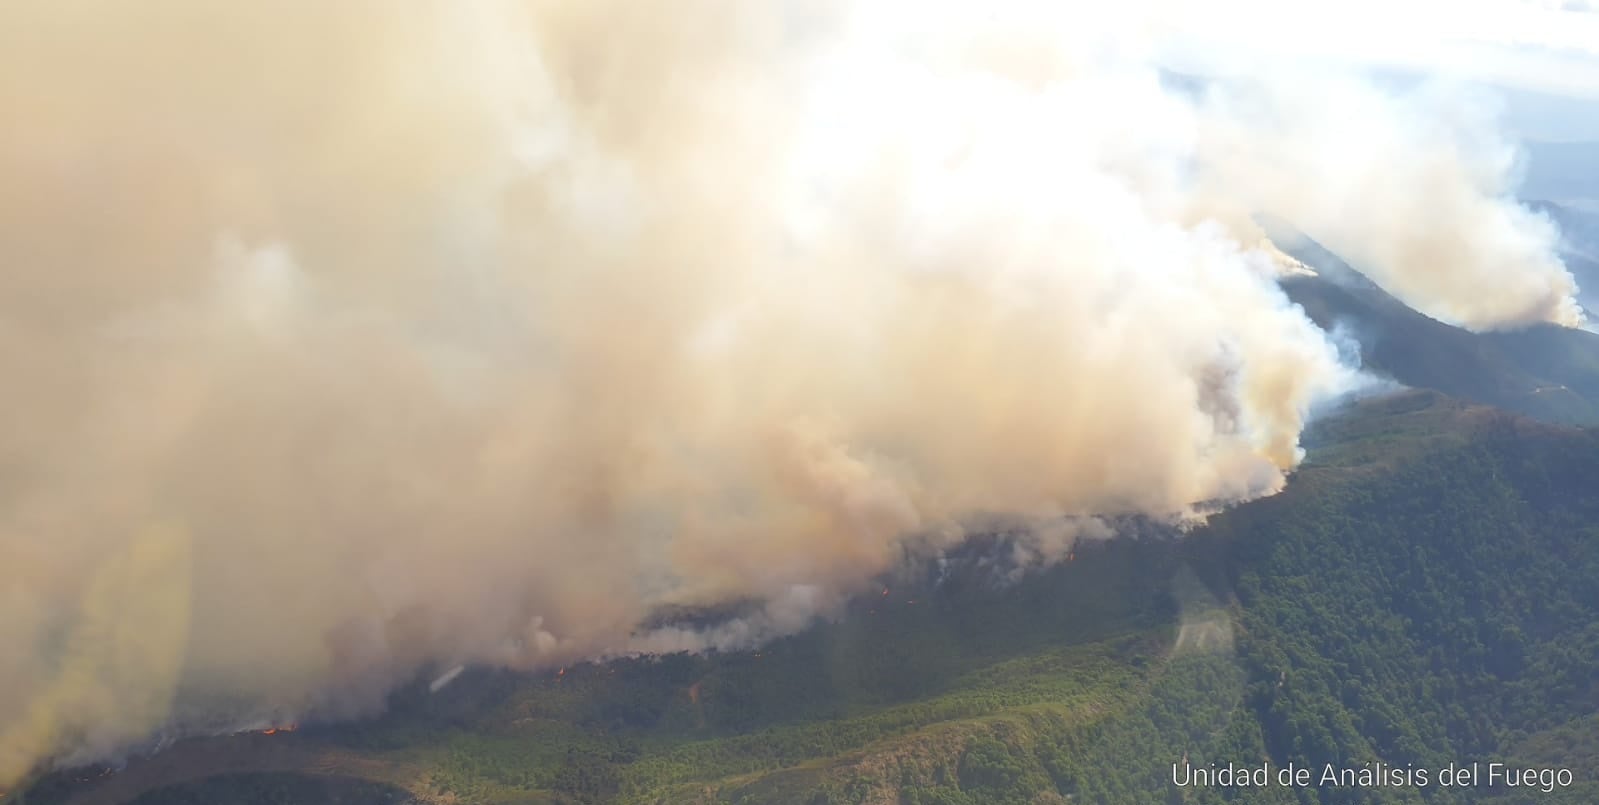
(339, 342)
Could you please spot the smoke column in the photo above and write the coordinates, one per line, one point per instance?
(339, 342)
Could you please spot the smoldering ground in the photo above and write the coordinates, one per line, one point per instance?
(337, 342)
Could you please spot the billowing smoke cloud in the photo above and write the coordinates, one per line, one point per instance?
(1414, 189)
(338, 342)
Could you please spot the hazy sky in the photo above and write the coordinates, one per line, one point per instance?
(1545, 53)
(1546, 46)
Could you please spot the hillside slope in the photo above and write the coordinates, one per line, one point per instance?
(1426, 591)
(1547, 372)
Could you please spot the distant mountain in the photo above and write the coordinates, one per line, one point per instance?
(1525, 114)
(1547, 372)
(1579, 227)
(1586, 270)
(1562, 171)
